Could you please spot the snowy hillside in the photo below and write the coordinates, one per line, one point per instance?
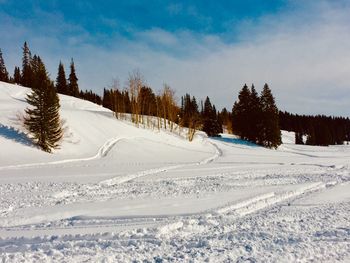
(91, 130)
(117, 193)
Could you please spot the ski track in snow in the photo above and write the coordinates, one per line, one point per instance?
(266, 235)
(123, 179)
(240, 204)
(102, 152)
(238, 232)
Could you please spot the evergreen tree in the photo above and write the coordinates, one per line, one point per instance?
(73, 81)
(254, 118)
(299, 138)
(310, 139)
(323, 137)
(107, 100)
(320, 129)
(241, 113)
(211, 125)
(90, 96)
(147, 100)
(126, 102)
(194, 112)
(43, 120)
(61, 81)
(189, 113)
(225, 118)
(207, 109)
(17, 75)
(270, 131)
(27, 74)
(4, 75)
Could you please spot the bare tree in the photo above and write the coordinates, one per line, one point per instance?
(169, 107)
(135, 83)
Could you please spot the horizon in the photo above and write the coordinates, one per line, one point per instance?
(202, 49)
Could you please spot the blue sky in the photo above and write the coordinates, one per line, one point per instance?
(202, 47)
(126, 16)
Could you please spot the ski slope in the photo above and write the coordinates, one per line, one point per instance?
(117, 193)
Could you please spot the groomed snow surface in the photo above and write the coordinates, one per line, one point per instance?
(117, 193)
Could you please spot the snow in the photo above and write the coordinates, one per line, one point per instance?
(117, 193)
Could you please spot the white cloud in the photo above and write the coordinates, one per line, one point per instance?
(158, 36)
(303, 55)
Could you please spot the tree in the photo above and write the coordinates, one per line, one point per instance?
(186, 110)
(42, 118)
(169, 108)
(241, 114)
(135, 83)
(73, 81)
(90, 96)
(319, 130)
(61, 81)
(194, 119)
(299, 138)
(107, 99)
(270, 132)
(189, 115)
(4, 75)
(17, 75)
(254, 119)
(27, 73)
(225, 118)
(211, 125)
(310, 139)
(148, 102)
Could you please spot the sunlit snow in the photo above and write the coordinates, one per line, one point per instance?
(117, 193)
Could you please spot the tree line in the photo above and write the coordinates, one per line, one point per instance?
(63, 85)
(319, 130)
(137, 99)
(142, 102)
(254, 117)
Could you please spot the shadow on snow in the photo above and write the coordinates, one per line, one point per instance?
(14, 135)
(235, 141)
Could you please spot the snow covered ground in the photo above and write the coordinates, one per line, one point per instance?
(117, 193)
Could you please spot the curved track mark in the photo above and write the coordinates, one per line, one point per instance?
(102, 152)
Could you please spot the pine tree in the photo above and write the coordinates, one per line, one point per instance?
(4, 75)
(107, 100)
(42, 119)
(254, 118)
(320, 129)
(225, 119)
(271, 133)
(310, 139)
(299, 138)
(194, 118)
(241, 113)
(73, 81)
(61, 81)
(27, 74)
(209, 118)
(17, 75)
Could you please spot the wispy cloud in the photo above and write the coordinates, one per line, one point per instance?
(303, 53)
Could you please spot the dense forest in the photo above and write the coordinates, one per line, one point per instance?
(319, 130)
(253, 117)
